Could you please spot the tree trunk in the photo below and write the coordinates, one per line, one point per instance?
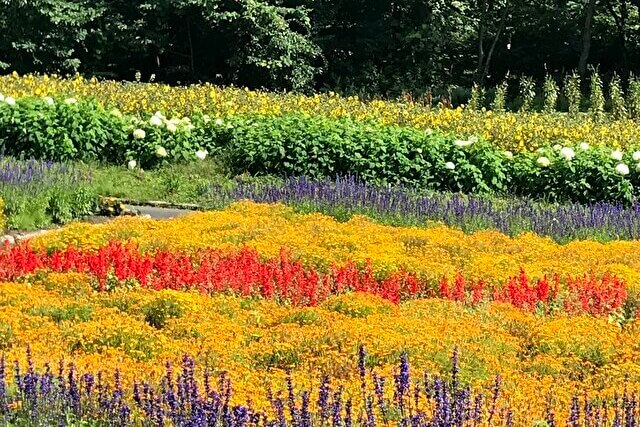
(503, 21)
(192, 59)
(586, 37)
(481, 31)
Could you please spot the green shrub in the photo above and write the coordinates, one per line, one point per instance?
(499, 99)
(527, 93)
(550, 89)
(318, 147)
(79, 313)
(616, 94)
(573, 93)
(477, 95)
(634, 97)
(6, 335)
(136, 341)
(590, 175)
(303, 317)
(160, 310)
(84, 130)
(596, 99)
(62, 131)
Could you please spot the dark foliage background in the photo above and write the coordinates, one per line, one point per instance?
(366, 47)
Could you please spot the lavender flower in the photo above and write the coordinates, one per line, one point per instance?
(348, 414)
(305, 415)
(48, 399)
(293, 410)
(337, 408)
(362, 355)
(378, 384)
(346, 196)
(323, 399)
(402, 381)
(455, 369)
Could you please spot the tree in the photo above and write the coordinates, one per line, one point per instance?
(45, 34)
(589, 10)
(487, 12)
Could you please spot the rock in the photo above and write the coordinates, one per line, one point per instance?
(8, 239)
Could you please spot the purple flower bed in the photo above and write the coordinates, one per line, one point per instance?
(346, 196)
(38, 193)
(68, 397)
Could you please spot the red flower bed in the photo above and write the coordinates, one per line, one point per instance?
(245, 273)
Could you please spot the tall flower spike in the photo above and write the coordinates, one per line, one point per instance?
(494, 399)
(337, 408)
(348, 414)
(293, 410)
(455, 369)
(362, 355)
(402, 380)
(323, 399)
(305, 415)
(3, 385)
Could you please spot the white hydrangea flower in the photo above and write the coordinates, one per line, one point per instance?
(132, 164)
(155, 121)
(161, 152)
(636, 155)
(139, 134)
(567, 153)
(622, 169)
(450, 165)
(508, 154)
(70, 101)
(175, 121)
(171, 127)
(206, 118)
(543, 161)
(48, 100)
(462, 143)
(218, 122)
(616, 155)
(557, 147)
(1, 97)
(10, 100)
(201, 154)
(159, 114)
(584, 146)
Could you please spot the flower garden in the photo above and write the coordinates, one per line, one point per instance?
(352, 263)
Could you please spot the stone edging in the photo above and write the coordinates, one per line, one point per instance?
(157, 204)
(12, 239)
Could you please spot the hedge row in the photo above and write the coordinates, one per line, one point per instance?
(317, 147)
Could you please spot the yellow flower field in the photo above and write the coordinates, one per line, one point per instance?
(512, 131)
(321, 240)
(60, 316)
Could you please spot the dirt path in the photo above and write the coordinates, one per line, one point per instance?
(154, 212)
